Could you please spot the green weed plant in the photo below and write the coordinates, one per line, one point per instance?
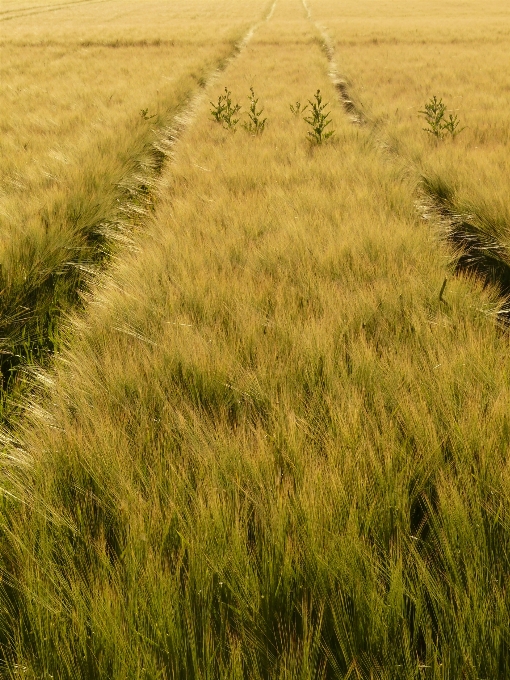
(296, 108)
(144, 113)
(256, 123)
(318, 119)
(224, 112)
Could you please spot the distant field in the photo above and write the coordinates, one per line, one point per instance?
(272, 439)
(74, 80)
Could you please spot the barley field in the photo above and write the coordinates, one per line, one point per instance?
(256, 387)
(395, 58)
(83, 88)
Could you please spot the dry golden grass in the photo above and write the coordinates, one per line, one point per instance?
(269, 450)
(125, 21)
(397, 56)
(85, 93)
(74, 81)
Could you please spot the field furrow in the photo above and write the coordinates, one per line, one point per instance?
(462, 180)
(84, 139)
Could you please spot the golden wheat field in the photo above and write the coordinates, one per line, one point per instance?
(254, 337)
(73, 88)
(397, 55)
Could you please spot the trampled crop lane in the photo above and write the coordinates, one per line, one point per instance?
(477, 250)
(355, 113)
(28, 339)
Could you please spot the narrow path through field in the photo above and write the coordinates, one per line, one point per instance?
(356, 114)
(31, 309)
(476, 250)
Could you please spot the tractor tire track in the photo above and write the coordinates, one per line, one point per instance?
(353, 110)
(477, 251)
(23, 312)
(163, 148)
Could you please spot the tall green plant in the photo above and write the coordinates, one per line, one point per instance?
(435, 117)
(255, 124)
(224, 112)
(296, 108)
(318, 119)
